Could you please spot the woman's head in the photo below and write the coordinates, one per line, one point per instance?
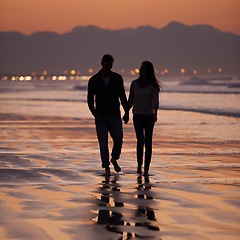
(147, 69)
(147, 72)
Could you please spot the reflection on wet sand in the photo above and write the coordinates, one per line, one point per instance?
(145, 214)
(111, 210)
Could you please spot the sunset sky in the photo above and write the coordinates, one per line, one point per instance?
(28, 16)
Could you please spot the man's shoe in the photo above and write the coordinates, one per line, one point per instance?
(115, 165)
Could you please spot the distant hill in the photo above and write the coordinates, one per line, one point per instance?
(174, 47)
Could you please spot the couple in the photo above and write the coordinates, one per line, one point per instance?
(105, 92)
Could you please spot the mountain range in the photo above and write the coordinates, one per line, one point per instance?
(174, 46)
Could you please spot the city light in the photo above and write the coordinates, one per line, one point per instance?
(122, 71)
(28, 78)
(165, 70)
(132, 72)
(136, 70)
(62, 78)
(90, 70)
(183, 71)
(73, 74)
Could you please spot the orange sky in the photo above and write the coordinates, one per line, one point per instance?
(28, 16)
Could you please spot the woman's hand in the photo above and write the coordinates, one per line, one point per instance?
(125, 118)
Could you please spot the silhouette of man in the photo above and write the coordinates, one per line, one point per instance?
(105, 93)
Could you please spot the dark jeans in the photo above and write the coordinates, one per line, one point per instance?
(109, 124)
(143, 125)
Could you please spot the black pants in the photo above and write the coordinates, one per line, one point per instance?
(109, 124)
(143, 125)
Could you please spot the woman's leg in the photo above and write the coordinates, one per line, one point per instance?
(138, 126)
(149, 125)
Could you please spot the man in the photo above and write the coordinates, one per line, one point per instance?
(105, 92)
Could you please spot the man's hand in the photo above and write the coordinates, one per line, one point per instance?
(125, 118)
(155, 118)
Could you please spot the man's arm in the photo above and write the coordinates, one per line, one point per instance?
(124, 102)
(90, 96)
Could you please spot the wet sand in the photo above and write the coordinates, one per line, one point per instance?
(51, 183)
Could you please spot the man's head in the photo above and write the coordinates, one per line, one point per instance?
(107, 63)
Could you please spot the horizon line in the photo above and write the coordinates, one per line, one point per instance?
(118, 29)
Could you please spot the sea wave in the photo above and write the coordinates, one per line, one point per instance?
(219, 96)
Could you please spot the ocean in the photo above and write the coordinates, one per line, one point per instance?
(218, 95)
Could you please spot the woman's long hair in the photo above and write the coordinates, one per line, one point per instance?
(150, 74)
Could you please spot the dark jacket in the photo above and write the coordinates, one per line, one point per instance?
(104, 98)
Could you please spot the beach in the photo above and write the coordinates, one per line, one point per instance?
(52, 184)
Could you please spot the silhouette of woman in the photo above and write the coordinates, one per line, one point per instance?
(144, 99)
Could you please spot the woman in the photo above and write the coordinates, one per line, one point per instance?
(144, 98)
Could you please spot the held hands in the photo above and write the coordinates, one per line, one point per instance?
(125, 118)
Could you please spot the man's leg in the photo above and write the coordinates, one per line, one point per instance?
(116, 132)
(102, 135)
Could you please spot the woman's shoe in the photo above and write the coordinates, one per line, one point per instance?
(107, 171)
(139, 170)
(145, 173)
